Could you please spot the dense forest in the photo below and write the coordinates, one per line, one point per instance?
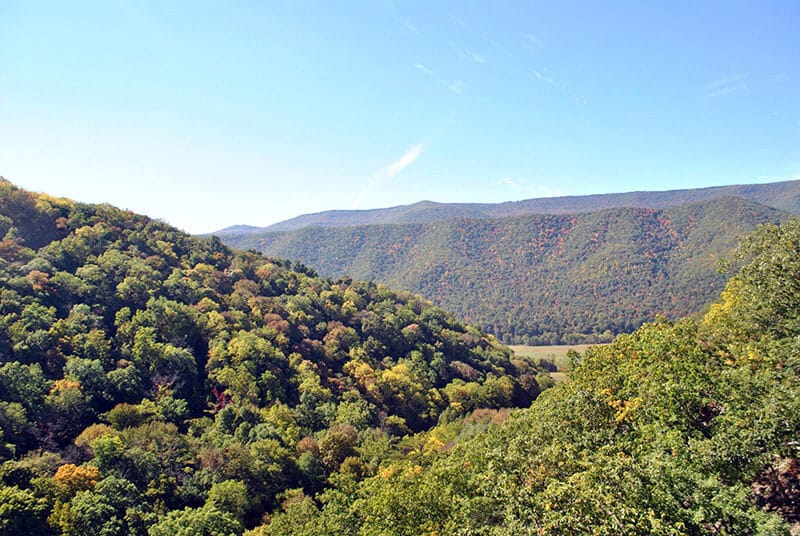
(688, 427)
(541, 279)
(156, 383)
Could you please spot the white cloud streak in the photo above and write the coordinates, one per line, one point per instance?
(456, 86)
(407, 23)
(477, 58)
(468, 55)
(497, 46)
(426, 70)
(545, 77)
(408, 158)
(389, 172)
(531, 42)
(727, 85)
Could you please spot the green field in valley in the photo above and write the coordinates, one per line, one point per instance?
(554, 356)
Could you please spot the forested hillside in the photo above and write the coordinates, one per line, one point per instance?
(781, 195)
(156, 383)
(541, 279)
(679, 428)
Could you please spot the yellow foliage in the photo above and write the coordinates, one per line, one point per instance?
(62, 516)
(625, 407)
(722, 320)
(433, 444)
(73, 478)
(348, 307)
(398, 372)
(753, 354)
(63, 385)
(54, 201)
(91, 433)
(213, 322)
(387, 472)
(362, 372)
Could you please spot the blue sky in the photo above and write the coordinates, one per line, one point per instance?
(207, 114)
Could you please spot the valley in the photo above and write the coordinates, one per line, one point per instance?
(399, 268)
(557, 360)
(153, 383)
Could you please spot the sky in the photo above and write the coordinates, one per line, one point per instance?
(206, 114)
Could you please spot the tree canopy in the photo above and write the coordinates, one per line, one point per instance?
(541, 278)
(154, 382)
(679, 428)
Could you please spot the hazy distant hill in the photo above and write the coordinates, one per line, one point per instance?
(239, 229)
(541, 278)
(781, 195)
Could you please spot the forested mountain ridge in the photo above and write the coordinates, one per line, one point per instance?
(783, 195)
(679, 428)
(156, 383)
(541, 279)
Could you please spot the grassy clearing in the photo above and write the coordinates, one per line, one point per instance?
(558, 377)
(557, 355)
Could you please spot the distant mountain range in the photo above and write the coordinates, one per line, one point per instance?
(541, 271)
(781, 195)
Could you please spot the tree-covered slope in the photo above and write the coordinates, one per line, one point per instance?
(679, 428)
(781, 195)
(541, 278)
(153, 382)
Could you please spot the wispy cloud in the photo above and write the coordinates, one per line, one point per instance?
(458, 21)
(727, 85)
(400, 18)
(513, 183)
(544, 76)
(389, 172)
(408, 25)
(408, 158)
(497, 46)
(426, 70)
(468, 55)
(531, 42)
(477, 58)
(456, 86)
